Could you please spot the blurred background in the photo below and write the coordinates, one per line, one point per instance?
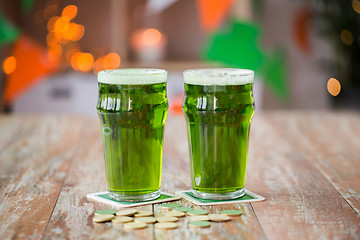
(306, 54)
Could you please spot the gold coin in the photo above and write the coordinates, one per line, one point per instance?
(167, 219)
(199, 224)
(218, 217)
(143, 214)
(174, 214)
(232, 212)
(166, 225)
(198, 218)
(122, 220)
(126, 212)
(197, 212)
(135, 225)
(102, 218)
(147, 220)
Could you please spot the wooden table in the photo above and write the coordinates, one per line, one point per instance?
(306, 164)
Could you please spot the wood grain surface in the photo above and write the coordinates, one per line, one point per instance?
(306, 165)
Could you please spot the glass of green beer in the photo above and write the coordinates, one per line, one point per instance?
(132, 108)
(218, 107)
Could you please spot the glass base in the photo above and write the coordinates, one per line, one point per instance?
(219, 196)
(134, 197)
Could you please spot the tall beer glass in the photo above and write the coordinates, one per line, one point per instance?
(218, 107)
(132, 108)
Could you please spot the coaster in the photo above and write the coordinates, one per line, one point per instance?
(248, 197)
(104, 198)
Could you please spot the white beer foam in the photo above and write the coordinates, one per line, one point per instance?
(132, 76)
(218, 76)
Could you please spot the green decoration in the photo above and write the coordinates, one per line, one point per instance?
(8, 31)
(26, 5)
(274, 71)
(238, 46)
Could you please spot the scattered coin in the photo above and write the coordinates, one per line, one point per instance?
(199, 224)
(218, 217)
(182, 209)
(126, 212)
(198, 218)
(166, 225)
(170, 205)
(147, 220)
(167, 219)
(122, 219)
(105, 212)
(174, 214)
(135, 225)
(143, 214)
(232, 212)
(197, 212)
(102, 218)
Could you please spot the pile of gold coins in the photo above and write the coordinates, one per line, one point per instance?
(138, 219)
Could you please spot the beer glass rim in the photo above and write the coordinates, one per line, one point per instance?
(131, 76)
(218, 76)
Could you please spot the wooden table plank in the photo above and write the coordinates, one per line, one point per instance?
(300, 202)
(72, 216)
(334, 143)
(33, 168)
(176, 176)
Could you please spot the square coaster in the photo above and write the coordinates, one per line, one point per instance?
(248, 197)
(104, 198)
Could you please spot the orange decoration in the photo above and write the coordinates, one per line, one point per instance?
(301, 30)
(9, 65)
(111, 61)
(213, 12)
(32, 65)
(70, 11)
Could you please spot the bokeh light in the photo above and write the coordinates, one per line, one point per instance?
(333, 86)
(79, 32)
(9, 65)
(50, 10)
(51, 39)
(151, 37)
(70, 11)
(99, 65)
(51, 23)
(61, 24)
(73, 60)
(346, 37)
(84, 62)
(111, 61)
(71, 31)
(356, 6)
(69, 54)
(55, 53)
(38, 16)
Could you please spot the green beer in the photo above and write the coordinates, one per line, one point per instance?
(132, 108)
(218, 107)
